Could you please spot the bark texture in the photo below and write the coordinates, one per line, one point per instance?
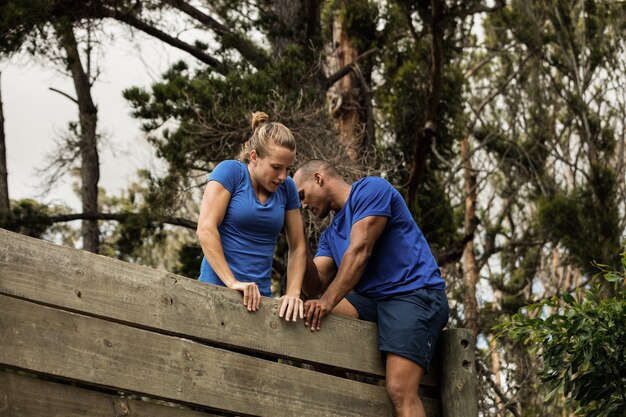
(88, 144)
(4, 184)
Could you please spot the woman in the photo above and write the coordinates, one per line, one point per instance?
(245, 205)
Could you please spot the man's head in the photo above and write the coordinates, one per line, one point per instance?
(315, 181)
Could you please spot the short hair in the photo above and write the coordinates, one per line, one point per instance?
(264, 134)
(312, 166)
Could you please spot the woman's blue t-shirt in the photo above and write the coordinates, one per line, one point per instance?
(249, 229)
(401, 261)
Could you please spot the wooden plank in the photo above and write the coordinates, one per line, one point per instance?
(459, 388)
(96, 285)
(22, 396)
(113, 355)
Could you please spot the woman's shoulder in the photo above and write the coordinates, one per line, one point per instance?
(289, 182)
(288, 192)
(289, 186)
(230, 164)
(229, 173)
(228, 167)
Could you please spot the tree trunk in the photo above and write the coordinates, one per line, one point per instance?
(4, 184)
(343, 100)
(469, 260)
(495, 368)
(290, 25)
(428, 132)
(88, 144)
(298, 23)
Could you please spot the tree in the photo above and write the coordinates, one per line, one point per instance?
(354, 39)
(88, 137)
(537, 210)
(4, 185)
(33, 27)
(580, 340)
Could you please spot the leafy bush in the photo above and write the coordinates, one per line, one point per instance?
(581, 342)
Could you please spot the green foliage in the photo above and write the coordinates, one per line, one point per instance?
(359, 20)
(27, 217)
(19, 20)
(589, 214)
(401, 95)
(28, 25)
(581, 342)
(434, 215)
(140, 234)
(189, 259)
(520, 265)
(204, 104)
(134, 230)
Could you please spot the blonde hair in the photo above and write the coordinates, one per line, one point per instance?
(264, 134)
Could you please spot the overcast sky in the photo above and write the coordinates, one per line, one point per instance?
(35, 115)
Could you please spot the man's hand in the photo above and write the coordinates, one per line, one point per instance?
(251, 294)
(315, 310)
(291, 305)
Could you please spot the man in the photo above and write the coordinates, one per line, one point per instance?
(374, 264)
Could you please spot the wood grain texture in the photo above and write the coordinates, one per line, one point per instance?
(459, 393)
(23, 396)
(82, 348)
(104, 287)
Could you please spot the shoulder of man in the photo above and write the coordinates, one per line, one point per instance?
(371, 183)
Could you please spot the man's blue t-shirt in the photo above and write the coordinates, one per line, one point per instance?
(401, 260)
(249, 229)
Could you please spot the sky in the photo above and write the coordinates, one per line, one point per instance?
(35, 116)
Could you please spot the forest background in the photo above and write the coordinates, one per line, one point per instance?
(501, 122)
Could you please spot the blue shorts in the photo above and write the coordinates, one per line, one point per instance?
(408, 324)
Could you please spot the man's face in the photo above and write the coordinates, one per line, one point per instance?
(313, 195)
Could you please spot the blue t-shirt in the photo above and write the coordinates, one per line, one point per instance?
(401, 260)
(249, 229)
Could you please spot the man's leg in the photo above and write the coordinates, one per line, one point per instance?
(408, 327)
(403, 380)
(344, 308)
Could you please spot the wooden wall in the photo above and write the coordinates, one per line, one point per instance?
(106, 335)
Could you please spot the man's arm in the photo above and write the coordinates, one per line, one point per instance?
(363, 236)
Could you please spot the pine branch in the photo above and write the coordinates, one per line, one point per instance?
(63, 94)
(175, 42)
(246, 48)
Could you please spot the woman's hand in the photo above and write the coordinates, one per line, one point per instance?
(291, 306)
(251, 294)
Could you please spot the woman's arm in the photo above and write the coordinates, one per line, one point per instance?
(294, 231)
(212, 210)
(318, 275)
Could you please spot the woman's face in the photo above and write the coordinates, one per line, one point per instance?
(271, 170)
